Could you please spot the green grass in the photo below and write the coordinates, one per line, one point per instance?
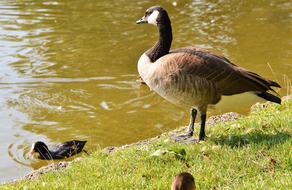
(253, 152)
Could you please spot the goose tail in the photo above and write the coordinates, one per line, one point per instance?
(270, 97)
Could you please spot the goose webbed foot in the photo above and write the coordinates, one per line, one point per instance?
(184, 138)
(189, 135)
(188, 138)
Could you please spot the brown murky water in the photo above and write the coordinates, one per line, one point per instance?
(68, 68)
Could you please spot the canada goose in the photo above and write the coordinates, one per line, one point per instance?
(60, 151)
(183, 181)
(193, 77)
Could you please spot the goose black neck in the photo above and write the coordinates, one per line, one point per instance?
(162, 47)
(46, 156)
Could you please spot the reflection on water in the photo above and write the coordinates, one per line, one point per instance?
(68, 68)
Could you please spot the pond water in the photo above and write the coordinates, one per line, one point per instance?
(69, 68)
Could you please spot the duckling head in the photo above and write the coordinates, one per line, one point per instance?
(183, 181)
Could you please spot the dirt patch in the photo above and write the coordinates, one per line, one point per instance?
(51, 167)
(230, 116)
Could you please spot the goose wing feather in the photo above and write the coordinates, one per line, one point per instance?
(229, 78)
(68, 148)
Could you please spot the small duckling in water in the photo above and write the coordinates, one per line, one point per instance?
(183, 181)
(59, 151)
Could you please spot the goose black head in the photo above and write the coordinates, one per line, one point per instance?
(39, 147)
(155, 15)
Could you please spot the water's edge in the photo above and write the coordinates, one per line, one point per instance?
(59, 166)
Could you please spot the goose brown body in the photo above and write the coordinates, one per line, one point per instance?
(196, 78)
(193, 77)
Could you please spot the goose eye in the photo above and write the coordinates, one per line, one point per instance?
(148, 13)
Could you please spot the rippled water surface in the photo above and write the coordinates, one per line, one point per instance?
(68, 68)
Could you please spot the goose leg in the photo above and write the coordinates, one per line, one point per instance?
(202, 134)
(192, 122)
(190, 132)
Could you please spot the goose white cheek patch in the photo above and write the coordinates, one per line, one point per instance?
(152, 19)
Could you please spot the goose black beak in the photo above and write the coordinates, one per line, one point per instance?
(141, 21)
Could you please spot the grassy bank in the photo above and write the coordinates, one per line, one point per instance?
(254, 152)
